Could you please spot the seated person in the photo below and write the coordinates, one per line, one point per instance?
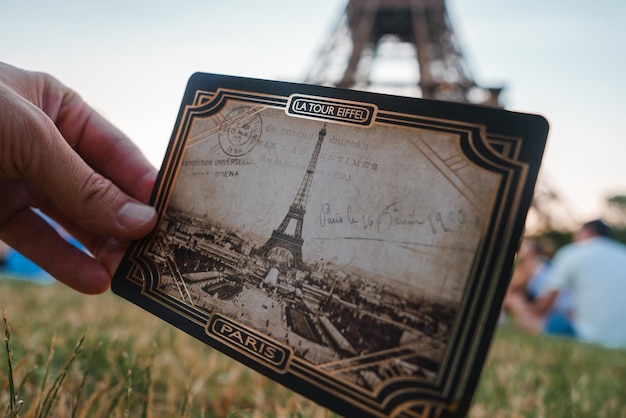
(529, 286)
(593, 268)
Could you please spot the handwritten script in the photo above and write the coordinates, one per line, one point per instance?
(392, 216)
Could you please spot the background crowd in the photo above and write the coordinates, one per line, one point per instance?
(575, 292)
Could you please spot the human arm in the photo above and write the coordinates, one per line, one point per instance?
(58, 155)
(544, 303)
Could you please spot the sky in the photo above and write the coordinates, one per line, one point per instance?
(131, 61)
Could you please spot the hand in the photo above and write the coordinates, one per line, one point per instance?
(60, 156)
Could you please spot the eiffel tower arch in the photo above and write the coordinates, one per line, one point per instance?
(405, 47)
(286, 246)
(409, 47)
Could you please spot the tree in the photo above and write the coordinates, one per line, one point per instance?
(616, 210)
(616, 216)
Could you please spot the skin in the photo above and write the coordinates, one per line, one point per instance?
(531, 317)
(58, 155)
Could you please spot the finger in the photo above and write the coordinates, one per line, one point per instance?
(103, 146)
(81, 193)
(108, 251)
(23, 194)
(55, 255)
(100, 144)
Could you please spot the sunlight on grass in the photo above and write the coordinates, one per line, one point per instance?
(539, 376)
(112, 359)
(129, 364)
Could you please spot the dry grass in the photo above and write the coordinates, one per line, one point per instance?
(133, 364)
(541, 376)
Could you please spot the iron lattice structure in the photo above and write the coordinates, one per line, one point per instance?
(409, 47)
(281, 238)
(405, 47)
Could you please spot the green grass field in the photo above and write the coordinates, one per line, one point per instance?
(131, 364)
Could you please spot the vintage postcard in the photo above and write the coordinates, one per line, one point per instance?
(353, 246)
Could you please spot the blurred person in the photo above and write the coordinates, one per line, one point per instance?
(61, 157)
(529, 284)
(593, 268)
(531, 267)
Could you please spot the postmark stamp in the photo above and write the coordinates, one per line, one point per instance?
(241, 131)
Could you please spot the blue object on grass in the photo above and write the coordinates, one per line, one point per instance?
(17, 266)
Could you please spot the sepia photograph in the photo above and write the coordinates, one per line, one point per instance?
(328, 235)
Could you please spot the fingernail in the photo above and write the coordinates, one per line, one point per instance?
(135, 215)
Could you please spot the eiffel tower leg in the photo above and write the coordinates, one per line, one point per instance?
(422, 42)
(443, 72)
(361, 37)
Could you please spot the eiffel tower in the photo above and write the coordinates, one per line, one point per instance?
(417, 36)
(405, 47)
(281, 240)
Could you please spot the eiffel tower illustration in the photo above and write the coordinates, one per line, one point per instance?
(281, 240)
(405, 47)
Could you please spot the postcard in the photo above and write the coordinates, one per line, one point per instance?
(353, 246)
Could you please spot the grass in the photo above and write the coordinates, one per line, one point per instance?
(80, 356)
(539, 376)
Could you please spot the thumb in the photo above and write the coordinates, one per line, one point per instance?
(92, 200)
(83, 195)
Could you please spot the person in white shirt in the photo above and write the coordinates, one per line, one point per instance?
(593, 268)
